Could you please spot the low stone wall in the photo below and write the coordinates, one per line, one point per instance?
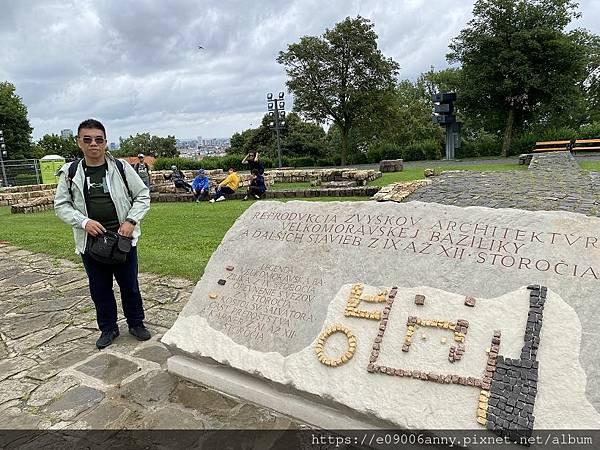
(14, 195)
(33, 206)
(359, 191)
(362, 177)
(397, 192)
(391, 165)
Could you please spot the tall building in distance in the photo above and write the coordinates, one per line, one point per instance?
(66, 133)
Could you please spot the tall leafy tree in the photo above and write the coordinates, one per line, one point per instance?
(14, 122)
(52, 144)
(151, 145)
(334, 77)
(517, 58)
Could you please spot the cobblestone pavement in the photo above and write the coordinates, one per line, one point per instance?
(554, 182)
(53, 377)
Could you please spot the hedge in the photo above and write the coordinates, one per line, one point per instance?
(484, 144)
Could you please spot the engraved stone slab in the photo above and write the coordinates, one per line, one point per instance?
(291, 263)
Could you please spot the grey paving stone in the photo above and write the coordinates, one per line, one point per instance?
(36, 339)
(108, 368)
(55, 364)
(172, 417)
(16, 327)
(12, 366)
(15, 389)
(25, 279)
(157, 353)
(150, 389)
(74, 402)
(108, 415)
(55, 388)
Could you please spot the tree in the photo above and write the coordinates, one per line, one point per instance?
(14, 122)
(335, 77)
(52, 144)
(150, 145)
(516, 59)
(298, 138)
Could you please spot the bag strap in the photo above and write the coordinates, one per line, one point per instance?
(73, 170)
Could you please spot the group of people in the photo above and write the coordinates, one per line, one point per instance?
(200, 186)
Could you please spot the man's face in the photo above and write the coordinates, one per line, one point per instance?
(251, 156)
(92, 143)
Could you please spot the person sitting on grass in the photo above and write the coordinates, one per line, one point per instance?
(178, 179)
(226, 187)
(257, 186)
(200, 186)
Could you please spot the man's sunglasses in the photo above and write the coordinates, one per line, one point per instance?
(98, 139)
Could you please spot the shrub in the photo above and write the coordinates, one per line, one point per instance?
(590, 131)
(417, 151)
(208, 163)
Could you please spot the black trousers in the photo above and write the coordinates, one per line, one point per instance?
(255, 190)
(222, 191)
(100, 276)
(200, 195)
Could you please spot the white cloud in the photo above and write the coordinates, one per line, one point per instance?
(135, 63)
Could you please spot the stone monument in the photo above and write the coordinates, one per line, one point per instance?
(411, 315)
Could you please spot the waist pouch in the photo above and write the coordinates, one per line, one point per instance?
(109, 248)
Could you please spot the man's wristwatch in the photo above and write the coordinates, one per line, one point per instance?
(131, 221)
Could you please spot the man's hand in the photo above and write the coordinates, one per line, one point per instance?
(94, 228)
(126, 229)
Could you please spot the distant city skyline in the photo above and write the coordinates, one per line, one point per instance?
(136, 66)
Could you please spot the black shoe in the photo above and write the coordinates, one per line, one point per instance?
(141, 333)
(107, 338)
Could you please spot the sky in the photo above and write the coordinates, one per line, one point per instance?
(136, 66)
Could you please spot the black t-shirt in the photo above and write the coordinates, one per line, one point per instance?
(100, 206)
(256, 165)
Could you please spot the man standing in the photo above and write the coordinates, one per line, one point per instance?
(143, 170)
(105, 194)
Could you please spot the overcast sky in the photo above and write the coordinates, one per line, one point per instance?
(135, 65)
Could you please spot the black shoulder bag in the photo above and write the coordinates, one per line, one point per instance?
(109, 248)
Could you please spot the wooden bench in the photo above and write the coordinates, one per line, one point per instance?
(580, 145)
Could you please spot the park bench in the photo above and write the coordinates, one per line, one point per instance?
(580, 145)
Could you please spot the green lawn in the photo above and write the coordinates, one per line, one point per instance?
(416, 173)
(593, 166)
(177, 238)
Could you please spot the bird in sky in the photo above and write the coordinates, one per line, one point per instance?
(200, 47)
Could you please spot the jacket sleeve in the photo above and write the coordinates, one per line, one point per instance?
(225, 181)
(63, 202)
(139, 193)
(205, 184)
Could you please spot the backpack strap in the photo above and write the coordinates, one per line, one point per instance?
(71, 174)
(73, 170)
(122, 172)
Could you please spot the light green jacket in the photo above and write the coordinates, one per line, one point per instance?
(74, 212)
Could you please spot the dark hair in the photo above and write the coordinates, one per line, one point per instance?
(233, 168)
(93, 124)
(255, 172)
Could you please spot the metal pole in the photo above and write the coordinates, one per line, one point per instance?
(37, 172)
(278, 144)
(449, 143)
(4, 180)
(2, 149)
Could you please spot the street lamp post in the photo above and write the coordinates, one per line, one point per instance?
(3, 154)
(276, 107)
